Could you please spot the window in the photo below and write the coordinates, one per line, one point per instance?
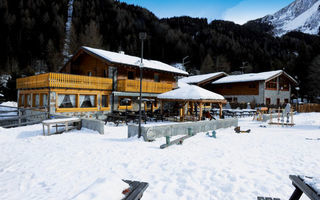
(28, 100)
(156, 78)
(87, 101)
(66, 101)
(44, 100)
(283, 84)
(125, 101)
(36, 100)
(89, 73)
(268, 101)
(272, 84)
(130, 75)
(21, 100)
(104, 101)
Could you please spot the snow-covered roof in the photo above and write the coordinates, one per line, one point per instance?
(262, 76)
(133, 60)
(201, 78)
(190, 92)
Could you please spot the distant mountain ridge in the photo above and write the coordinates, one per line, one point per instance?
(300, 15)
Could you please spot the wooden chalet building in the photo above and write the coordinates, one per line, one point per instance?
(273, 87)
(95, 80)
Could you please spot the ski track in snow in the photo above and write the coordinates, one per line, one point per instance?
(86, 165)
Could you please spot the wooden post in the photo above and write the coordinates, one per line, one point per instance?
(19, 113)
(220, 110)
(200, 114)
(161, 107)
(291, 116)
(270, 115)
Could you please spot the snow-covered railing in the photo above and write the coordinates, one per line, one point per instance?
(58, 80)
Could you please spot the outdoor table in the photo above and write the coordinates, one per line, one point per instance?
(62, 122)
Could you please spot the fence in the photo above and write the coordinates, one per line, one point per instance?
(310, 107)
(14, 116)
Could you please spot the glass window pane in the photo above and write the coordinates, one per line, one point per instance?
(67, 100)
(130, 75)
(87, 101)
(156, 78)
(22, 100)
(125, 102)
(44, 100)
(104, 101)
(36, 100)
(28, 100)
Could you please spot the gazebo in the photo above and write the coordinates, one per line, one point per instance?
(190, 96)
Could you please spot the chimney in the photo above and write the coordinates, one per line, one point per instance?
(121, 52)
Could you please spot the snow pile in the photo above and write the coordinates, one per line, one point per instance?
(200, 78)
(314, 182)
(9, 103)
(193, 92)
(86, 165)
(133, 60)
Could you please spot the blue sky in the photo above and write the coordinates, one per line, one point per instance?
(238, 11)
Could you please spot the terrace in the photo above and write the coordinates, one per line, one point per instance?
(59, 80)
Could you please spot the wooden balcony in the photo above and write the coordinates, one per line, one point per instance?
(58, 80)
(147, 86)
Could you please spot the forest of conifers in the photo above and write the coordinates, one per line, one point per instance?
(33, 34)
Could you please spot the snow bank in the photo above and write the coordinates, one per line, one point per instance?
(84, 164)
(9, 103)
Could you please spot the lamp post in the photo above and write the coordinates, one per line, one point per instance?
(142, 37)
(297, 102)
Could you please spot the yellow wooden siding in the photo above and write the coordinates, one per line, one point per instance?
(58, 80)
(147, 86)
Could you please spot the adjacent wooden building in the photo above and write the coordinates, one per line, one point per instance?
(95, 80)
(272, 87)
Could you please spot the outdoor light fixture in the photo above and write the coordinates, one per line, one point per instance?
(142, 37)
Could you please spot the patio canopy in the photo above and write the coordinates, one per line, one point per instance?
(193, 94)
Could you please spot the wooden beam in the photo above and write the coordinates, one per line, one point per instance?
(200, 114)
(161, 107)
(220, 110)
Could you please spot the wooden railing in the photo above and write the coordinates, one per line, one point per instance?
(147, 86)
(57, 80)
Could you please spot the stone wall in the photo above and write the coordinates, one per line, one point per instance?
(150, 133)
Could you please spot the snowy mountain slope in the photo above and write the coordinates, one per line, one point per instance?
(301, 15)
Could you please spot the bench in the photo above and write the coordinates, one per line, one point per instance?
(116, 118)
(301, 187)
(64, 122)
(136, 190)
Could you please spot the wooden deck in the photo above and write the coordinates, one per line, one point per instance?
(147, 86)
(59, 80)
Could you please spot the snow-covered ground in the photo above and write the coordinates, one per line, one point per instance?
(85, 165)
